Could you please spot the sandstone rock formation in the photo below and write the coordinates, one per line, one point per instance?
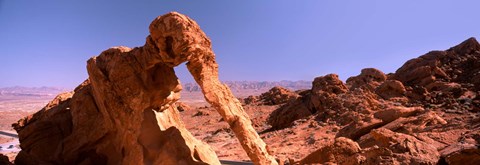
(369, 78)
(125, 112)
(275, 96)
(391, 89)
(342, 151)
(413, 116)
(466, 151)
(450, 72)
(182, 106)
(387, 147)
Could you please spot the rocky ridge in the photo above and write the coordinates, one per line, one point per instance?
(420, 114)
(254, 85)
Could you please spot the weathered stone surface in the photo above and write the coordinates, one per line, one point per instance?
(343, 151)
(432, 99)
(278, 95)
(389, 148)
(329, 83)
(438, 69)
(466, 151)
(416, 123)
(380, 118)
(275, 96)
(182, 106)
(369, 79)
(285, 115)
(390, 89)
(125, 112)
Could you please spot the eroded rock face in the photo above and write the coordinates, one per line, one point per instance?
(387, 148)
(391, 89)
(275, 96)
(342, 151)
(411, 115)
(182, 106)
(125, 113)
(466, 151)
(369, 79)
(452, 71)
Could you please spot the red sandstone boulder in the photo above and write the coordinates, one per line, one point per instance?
(466, 151)
(343, 151)
(182, 106)
(388, 148)
(401, 148)
(369, 78)
(275, 96)
(391, 89)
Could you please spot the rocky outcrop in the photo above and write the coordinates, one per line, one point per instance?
(286, 114)
(387, 148)
(369, 79)
(404, 117)
(466, 151)
(330, 99)
(452, 72)
(446, 78)
(342, 151)
(324, 89)
(380, 118)
(322, 98)
(391, 89)
(182, 106)
(399, 148)
(275, 96)
(125, 112)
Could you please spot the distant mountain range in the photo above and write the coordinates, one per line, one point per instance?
(237, 86)
(30, 91)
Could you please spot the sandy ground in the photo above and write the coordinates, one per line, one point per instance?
(306, 136)
(292, 143)
(13, 108)
(9, 145)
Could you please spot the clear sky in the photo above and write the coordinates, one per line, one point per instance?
(47, 43)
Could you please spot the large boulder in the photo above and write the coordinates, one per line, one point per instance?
(369, 79)
(325, 90)
(275, 96)
(343, 151)
(466, 151)
(391, 89)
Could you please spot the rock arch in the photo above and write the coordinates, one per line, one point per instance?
(123, 113)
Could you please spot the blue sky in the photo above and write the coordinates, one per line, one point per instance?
(47, 43)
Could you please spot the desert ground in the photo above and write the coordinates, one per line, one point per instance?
(200, 118)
